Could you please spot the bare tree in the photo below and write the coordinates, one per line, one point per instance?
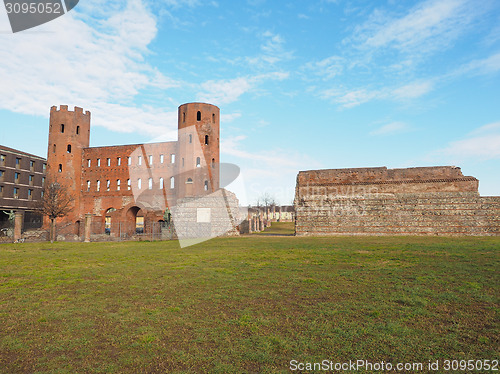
(56, 202)
(266, 200)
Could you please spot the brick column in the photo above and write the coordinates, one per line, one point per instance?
(18, 225)
(88, 227)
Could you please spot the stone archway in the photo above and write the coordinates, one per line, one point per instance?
(135, 220)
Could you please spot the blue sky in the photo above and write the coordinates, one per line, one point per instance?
(301, 84)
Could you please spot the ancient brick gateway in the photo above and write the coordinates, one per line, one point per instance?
(123, 183)
(381, 201)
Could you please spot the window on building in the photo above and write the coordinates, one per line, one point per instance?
(42, 193)
(150, 183)
(198, 116)
(213, 117)
(98, 162)
(129, 161)
(108, 185)
(1, 191)
(31, 179)
(198, 162)
(118, 183)
(108, 161)
(183, 162)
(150, 160)
(16, 193)
(2, 160)
(213, 162)
(62, 127)
(32, 165)
(118, 161)
(60, 168)
(172, 182)
(190, 138)
(88, 186)
(1, 175)
(128, 184)
(139, 160)
(206, 185)
(89, 162)
(30, 194)
(16, 177)
(44, 168)
(43, 181)
(139, 183)
(18, 163)
(54, 148)
(189, 180)
(69, 148)
(161, 159)
(161, 183)
(206, 139)
(77, 130)
(183, 116)
(98, 187)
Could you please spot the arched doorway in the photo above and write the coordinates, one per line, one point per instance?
(135, 221)
(108, 221)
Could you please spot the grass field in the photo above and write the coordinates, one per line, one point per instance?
(246, 305)
(279, 228)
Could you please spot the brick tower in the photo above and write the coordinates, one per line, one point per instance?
(198, 148)
(69, 134)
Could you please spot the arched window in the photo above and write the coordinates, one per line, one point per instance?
(206, 139)
(60, 168)
(190, 138)
(213, 162)
(139, 183)
(118, 183)
(206, 186)
(198, 116)
(54, 149)
(172, 182)
(98, 187)
(189, 180)
(198, 162)
(69, 148)
(88, 186)
(213, 117)
(62, 127)
(77, 130)
(150, 183)
(161, 183)
(184, 117)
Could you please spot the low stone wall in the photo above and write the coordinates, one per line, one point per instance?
(445, 206)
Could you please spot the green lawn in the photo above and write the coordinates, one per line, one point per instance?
(246, 305)
(279, 228)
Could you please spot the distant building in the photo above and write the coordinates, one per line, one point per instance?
(22, 177)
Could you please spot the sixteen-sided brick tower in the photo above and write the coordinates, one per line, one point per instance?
(116, 184)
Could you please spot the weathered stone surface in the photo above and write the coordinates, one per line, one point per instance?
(381, 201)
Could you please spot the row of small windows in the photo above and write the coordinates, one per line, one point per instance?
(17, 176)
(139, 184)
(77, 129)
(198, 116)
(3, 161)
(129, 160)
(15, 193)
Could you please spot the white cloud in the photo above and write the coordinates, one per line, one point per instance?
(391, 128)
(429, 26)
(273, 51)
(413, 90)
(483, 143)
(96, 63)
(487, 65)
(228, 91)
(327, 68)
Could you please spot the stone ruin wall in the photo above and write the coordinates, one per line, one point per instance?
(381, 201)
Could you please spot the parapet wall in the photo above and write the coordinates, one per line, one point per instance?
(381, 201)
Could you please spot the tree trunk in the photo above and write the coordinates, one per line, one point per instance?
(52, 230)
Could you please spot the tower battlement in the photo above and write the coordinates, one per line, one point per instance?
(64, 108)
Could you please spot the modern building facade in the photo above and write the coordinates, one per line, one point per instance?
(22, 177)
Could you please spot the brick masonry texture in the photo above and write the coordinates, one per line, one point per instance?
(381, 201)
(119, 181)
